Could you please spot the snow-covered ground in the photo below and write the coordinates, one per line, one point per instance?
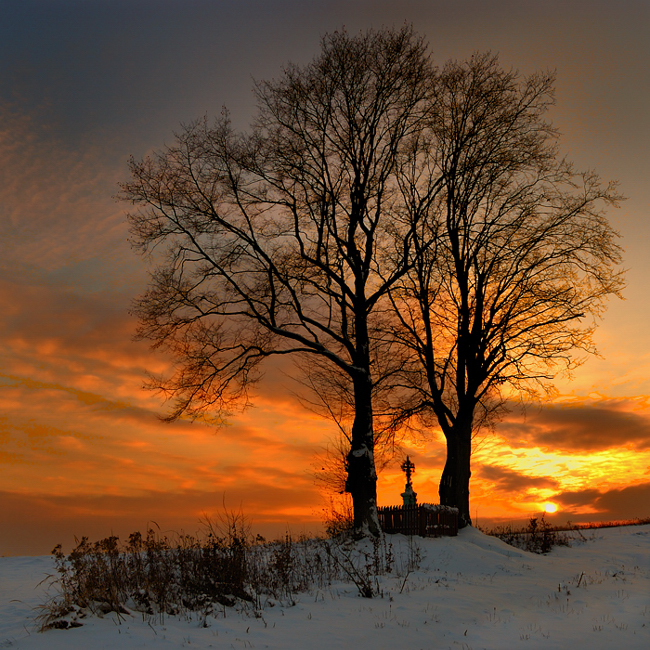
(470, 592)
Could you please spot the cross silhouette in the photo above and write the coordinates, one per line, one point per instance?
(409, 468)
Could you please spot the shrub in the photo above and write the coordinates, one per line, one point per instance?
(538, 537)
(156, 575)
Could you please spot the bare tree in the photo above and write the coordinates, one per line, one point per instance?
(286, 240)
(522, 263)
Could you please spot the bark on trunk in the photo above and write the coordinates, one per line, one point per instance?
(362, 476)
(454, 483)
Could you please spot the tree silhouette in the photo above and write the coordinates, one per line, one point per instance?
(409, 235)
(287, 239)
(522, 263)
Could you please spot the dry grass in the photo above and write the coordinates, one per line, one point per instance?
(538, 537)
(156, 575)
(608, 524)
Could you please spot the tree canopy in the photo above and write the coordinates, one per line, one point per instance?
(287, 239)
(523, 261)
(408, 234)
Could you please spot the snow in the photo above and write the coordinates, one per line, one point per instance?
(469, 592)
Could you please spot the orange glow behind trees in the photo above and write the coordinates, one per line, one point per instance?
(82, 451)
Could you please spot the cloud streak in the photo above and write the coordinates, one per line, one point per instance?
(630, 502)
(510, 481)
(586, 426)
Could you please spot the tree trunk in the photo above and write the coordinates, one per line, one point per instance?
(454, 483)
(362, 476)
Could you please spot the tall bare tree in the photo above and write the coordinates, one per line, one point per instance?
(286, 240)
(523, 258)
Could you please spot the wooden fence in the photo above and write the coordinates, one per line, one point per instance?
(424, 520)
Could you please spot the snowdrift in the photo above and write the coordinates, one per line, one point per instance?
(470, 592)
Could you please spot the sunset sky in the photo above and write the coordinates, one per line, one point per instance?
(86, 83)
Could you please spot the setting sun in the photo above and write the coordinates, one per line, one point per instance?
(550, 507)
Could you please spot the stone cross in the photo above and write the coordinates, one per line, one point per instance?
(409, 468)
(409, 497)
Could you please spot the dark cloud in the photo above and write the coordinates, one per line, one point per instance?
(628, 503)
(511, 481)
(59, 219)
(632, 502)
(586, 427)
(578, 498)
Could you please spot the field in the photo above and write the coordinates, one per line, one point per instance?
(469, 592)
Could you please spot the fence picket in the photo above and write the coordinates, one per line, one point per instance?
(425, 520)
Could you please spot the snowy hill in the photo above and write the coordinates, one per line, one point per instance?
(469, 592)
